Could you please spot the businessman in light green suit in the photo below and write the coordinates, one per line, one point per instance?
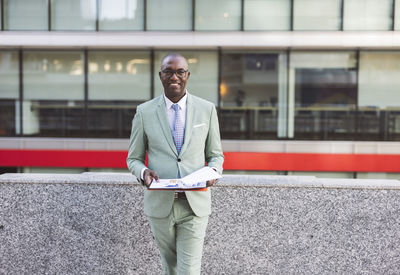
(180, 134)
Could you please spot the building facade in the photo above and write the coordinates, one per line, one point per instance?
(301, 86)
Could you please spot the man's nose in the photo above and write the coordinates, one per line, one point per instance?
(174, 76)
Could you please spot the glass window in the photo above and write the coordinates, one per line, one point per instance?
(367, 15)
(267, 15)
(53, 93)
(203, 81)
(220, 15)
(253, 88)
(322, 95)
(4, 170)
(317, 14)
(119, 75)
(73, 14)
(379, 96)
(25, 15)
(50, 170)
(118, 82)
(397, 15)
(9, 93)
(330, 175)
(173, 15)
(121, 15)
(9, 75)
(374, 175)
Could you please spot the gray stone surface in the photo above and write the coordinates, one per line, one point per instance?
(93, 224)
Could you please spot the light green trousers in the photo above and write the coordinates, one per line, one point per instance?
(180, 238)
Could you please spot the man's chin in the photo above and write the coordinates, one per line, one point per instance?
(174, 93)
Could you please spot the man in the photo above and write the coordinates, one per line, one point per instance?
(180, 133)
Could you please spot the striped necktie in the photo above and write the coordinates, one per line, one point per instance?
(177, 132)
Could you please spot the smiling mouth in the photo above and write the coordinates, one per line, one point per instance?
(174, 84)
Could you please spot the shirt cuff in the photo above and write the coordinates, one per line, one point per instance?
(142, 172)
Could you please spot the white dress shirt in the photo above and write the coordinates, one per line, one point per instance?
(171, 112)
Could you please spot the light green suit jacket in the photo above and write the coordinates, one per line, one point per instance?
(151, 133)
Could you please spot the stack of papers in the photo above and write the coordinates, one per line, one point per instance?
(197, 179)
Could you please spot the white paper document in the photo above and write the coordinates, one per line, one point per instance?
(197, 179)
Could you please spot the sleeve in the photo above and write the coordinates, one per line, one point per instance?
(137, 147)
(213, 151)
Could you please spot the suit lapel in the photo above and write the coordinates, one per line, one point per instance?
(162, 118)
(189, 122)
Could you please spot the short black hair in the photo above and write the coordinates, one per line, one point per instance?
(173, 55)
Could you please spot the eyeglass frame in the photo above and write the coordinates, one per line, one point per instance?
(172, 72)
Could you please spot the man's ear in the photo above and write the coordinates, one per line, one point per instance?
(188, 76)
(159, 74)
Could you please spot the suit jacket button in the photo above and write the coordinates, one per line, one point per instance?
(179, 160)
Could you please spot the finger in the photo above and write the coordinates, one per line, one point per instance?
(154, 175)
(148, 180)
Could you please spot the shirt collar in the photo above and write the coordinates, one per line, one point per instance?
(181, 102)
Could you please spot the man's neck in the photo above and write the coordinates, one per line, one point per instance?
(176, 99)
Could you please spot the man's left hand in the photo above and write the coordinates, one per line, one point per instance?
(211, 182)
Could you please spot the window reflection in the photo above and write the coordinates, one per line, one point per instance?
(25, 15)
(53, 118)
(250, 90)
(173, 15)
(121, 14)
(111, 118)
(397, 15)
(262, 96)
(73, 14)
(367, 14)
(325, 92)
(379, 97)
(9, 93)
(53, 93)
(267, 15)
(118, 82)
(8, 117)
(218, 15)
(317, 15)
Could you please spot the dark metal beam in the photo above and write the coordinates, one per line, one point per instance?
(21, 89)
(144, 15)
(152, 71)
(86, 92)
(97, 14)
(291, 14)
(342, 15)
(242, 16)
(49, 15)
(393, 14)
(193, 15)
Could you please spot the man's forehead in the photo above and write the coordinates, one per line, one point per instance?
(179, 61)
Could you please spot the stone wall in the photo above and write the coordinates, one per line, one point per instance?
(93, 223)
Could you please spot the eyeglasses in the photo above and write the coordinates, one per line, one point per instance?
(181, 73)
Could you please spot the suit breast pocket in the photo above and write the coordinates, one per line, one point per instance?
(199, 133)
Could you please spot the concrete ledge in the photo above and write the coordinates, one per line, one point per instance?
(227, 181)
(93, 223)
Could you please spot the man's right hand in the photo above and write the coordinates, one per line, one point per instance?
(148, 176)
